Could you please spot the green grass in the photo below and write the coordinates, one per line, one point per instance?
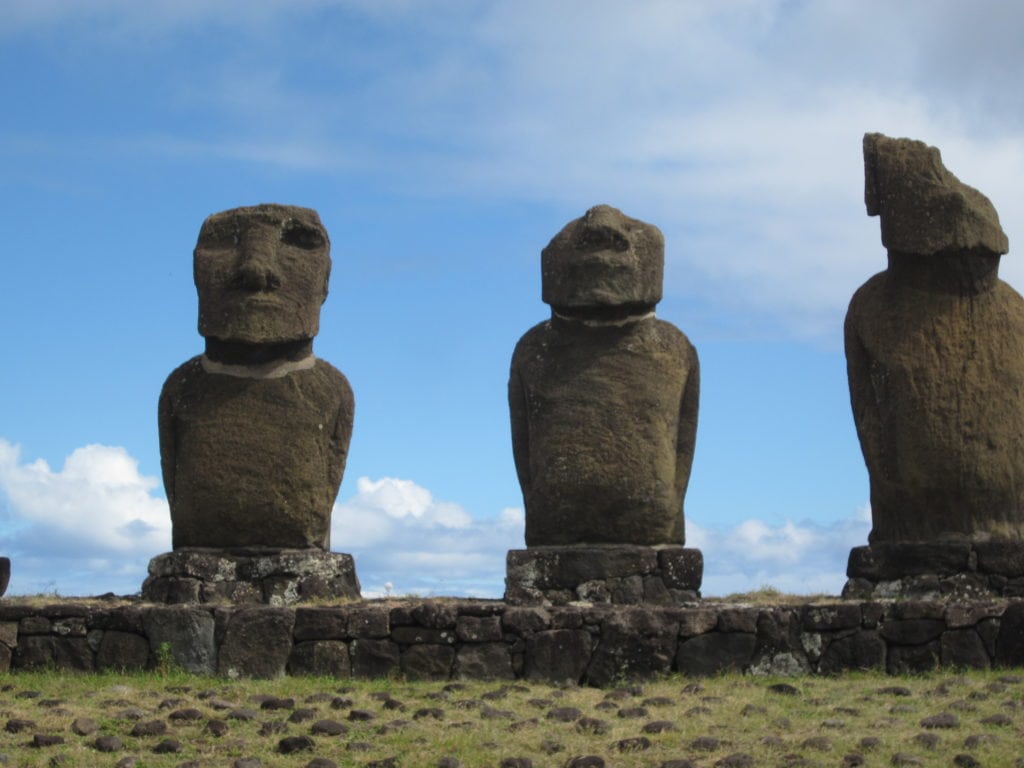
(711, 719)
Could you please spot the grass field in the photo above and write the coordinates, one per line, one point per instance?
(172, 719)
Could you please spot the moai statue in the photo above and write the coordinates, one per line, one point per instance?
(935, 357)
(254, 433)
(603, 403)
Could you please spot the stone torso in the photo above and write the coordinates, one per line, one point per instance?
(596, 414)
(254, 461)
(936, 382)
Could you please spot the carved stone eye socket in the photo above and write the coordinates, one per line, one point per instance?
(601, 239)
(301, 236)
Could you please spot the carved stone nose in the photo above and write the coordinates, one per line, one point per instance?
(256, 276)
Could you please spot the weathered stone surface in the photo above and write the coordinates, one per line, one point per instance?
(633, 643)
(122, 651)
(715, 652)
(831, 616)
(616, 574)
(320, 624)
(1009, 645)
(1005, 558)
(912, 659)
(254, 433)
(473, 629)
(484, 661)
(935, 357)
(963, 648)
(912, 631)
(34, 652)
(681, 568)
(525, 620)
(187, 634)
(241, 575)
(258, 643)
(369, 621)
(9, 633)
(374, 657)
(428, 662)
(320, 658)
(603, 396)
(5, 574)
(864, 649)
(557, 656)
(892, 560)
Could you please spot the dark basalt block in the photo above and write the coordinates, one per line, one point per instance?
(250, 575)
(5, 574)
(936, 569)
(623, 574)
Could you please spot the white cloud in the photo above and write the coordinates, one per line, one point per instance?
(400, 534)
(92, 526)
(799, 558)
(93, 519)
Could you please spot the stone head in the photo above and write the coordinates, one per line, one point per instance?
(603, 260)
(925, 210)
(261, 273)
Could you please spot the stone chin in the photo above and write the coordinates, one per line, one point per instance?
(266, 323)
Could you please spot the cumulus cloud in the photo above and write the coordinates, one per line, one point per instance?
(95, 517)
(796, 557)
(401, 535)
(92, 526)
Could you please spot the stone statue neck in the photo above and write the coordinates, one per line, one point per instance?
(236, 353)
(603, 316)
(966, 274)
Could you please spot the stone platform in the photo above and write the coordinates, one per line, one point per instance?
(926, 570)
(608, 574)
(250, 575)
(446, 638)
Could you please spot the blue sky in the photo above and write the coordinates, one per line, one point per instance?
(444, 143)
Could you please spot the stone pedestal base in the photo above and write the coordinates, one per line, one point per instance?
(942, 569)
(250, 575)
(616, 574)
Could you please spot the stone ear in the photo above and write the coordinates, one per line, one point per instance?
(871, 201)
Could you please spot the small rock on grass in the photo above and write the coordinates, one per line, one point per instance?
(516, 762)
(592, 725)
(1000, 720)
(819, 743)
(659, 726)
(168, 747)
(46, 740)
(107, 744)
(564, 714)
(963, 760)
(683, 763)
(942, 720)
(247, 762)
(84, 726)
(17, 725)
(634, 744)
(927, 740)
(328, 728)
(585, 761)
(449, 762)
(292, 744)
